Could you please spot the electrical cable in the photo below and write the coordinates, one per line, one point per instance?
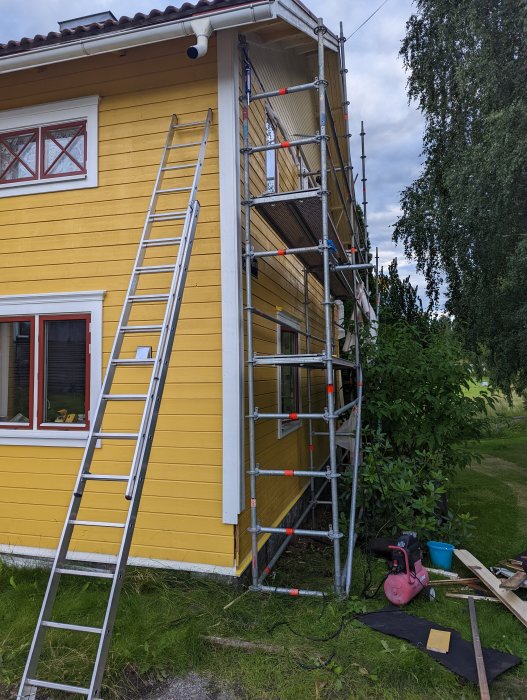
(367, 19)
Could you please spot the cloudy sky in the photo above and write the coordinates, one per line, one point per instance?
(376, 90)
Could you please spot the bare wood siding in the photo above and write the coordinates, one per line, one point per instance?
(86, 239)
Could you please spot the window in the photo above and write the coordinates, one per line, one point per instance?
(49, 147)
(50, 366)
(303, 170)
(61, 371)
(271, 160)
(288, 376)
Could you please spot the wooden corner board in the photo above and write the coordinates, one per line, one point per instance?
(511, 601)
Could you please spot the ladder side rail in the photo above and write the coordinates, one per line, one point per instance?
(132, 286)
(172, 302)
(111, 610)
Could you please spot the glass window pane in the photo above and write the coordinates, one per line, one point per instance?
(18, 157)
(270, 156)
(64, 371)
(288, 375)
(64, 150)
(15, 371)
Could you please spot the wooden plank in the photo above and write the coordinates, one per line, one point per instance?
(478, 652)
(511, 601)
(442, 572)
(464, 596)
(514, 582)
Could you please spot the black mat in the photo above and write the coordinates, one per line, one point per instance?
(460, 657)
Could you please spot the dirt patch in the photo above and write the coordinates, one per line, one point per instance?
(510, 473)
(195, 687)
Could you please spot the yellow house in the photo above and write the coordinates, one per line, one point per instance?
(84, 114)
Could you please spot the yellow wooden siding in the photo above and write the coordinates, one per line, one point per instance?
(280, 285)
(87, 239)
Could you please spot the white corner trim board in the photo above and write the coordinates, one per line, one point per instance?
(231, 282)
(34, 556)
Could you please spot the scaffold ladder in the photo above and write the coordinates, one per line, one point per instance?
(179, 247)
(326, 360)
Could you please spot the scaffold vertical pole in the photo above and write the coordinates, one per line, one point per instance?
(364, 198)
(328, 307)
(310, 445)
(246, 100)
(377, 290)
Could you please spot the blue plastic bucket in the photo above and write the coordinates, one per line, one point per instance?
(441, 554)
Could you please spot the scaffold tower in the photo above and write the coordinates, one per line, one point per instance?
(304, 222)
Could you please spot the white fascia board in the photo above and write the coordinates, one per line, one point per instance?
(131, 38)
(228, 18)
(35, 556)
(299, 17)
(231, 277)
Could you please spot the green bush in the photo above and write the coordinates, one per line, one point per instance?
(419, 429)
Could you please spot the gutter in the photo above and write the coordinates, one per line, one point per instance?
(131, 38)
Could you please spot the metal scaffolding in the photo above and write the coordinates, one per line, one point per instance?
(302, 219)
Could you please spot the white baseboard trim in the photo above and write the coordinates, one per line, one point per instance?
(36, 557)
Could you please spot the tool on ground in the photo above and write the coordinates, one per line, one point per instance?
(179, 248)
(406, 576)
(478, 652)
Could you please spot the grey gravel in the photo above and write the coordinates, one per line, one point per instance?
(194, 687)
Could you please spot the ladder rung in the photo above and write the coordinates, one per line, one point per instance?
(179, 167)
(151, 269)
(132, 361)
(71, 628)
(105, 477)
(85, 572)
(152, 242)
(175, 189)
(96, 523)
(140, 329)
(149, 297)
(116, 436)
(187, 124)
(57, 686)
(168, 216)
(125, 397)
(184, 145)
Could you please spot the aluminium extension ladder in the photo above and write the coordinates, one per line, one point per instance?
(143, 438)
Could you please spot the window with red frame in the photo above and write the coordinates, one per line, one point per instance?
(43, 153)
(46, 357)
(289, 376)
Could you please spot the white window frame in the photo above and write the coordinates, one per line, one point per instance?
(59, 304)
(82, 108)
(286, 427)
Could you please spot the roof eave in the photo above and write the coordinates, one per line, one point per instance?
(228, 18)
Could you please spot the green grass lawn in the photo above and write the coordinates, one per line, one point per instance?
(326, 654)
